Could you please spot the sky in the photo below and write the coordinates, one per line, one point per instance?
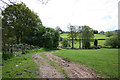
(98, 14)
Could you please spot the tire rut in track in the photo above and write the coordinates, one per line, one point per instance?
(45, 69)
(73, 70)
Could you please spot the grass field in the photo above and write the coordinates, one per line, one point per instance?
(96, 36)
(65, 35)
(21, 66)
(99, 36)
(103, 61)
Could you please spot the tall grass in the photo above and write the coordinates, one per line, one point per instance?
(20, 66)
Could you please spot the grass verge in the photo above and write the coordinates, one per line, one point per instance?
(20, 66)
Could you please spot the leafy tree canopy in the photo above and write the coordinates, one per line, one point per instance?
(109, 33)
(19, 19)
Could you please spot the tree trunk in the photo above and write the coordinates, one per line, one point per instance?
(17, 37)
(11, 50)
(83, 44)
(3, 50)
(72, 43)
(21, 36)
(79, 43)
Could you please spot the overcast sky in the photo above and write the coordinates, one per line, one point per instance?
(98, 14)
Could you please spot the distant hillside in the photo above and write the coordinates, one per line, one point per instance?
(115, 31)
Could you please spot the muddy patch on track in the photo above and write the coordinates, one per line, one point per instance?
(46, 70)
(73, 70)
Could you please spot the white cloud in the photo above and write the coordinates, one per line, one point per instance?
(77, 12)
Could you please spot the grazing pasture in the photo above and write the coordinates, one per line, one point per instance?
(96, 36)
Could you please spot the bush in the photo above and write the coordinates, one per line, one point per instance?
(109, 33)
(65, 42)
(87, 45)
(112, 41)
(51, 38)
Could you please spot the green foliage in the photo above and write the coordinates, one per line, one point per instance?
(118, 33)
(112, 41)
(72, 34)
(95, 31)
(102, 61)
(7, 56)
(96, 36)
(102, 32)
(34, 37)
(18, 19)
(48, 37)
(59, 29)
(51, 38)
(83, 33)
(79, 32)
(56, 39)
(65, 42)
(87, 36)
(109, 33)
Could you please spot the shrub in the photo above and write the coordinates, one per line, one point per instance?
(65, 42)
(109, 33)
(87, 45)
(51, 38)
(112, 41)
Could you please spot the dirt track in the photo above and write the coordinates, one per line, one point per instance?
(73, 70)
(45, 69)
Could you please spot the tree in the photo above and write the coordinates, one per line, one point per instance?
(21, 19)
(102, 32)
(51, 38)
(65, 42)
(109, 33)
(59, 29)
(79, 35)
(72, 34)
(34, 37)
(87, 36)
(95, 42)
(48, 43)
(112, 41)
(118, 34)
(95, 31)
(17, 19)
(11, 2)
(56, 39)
